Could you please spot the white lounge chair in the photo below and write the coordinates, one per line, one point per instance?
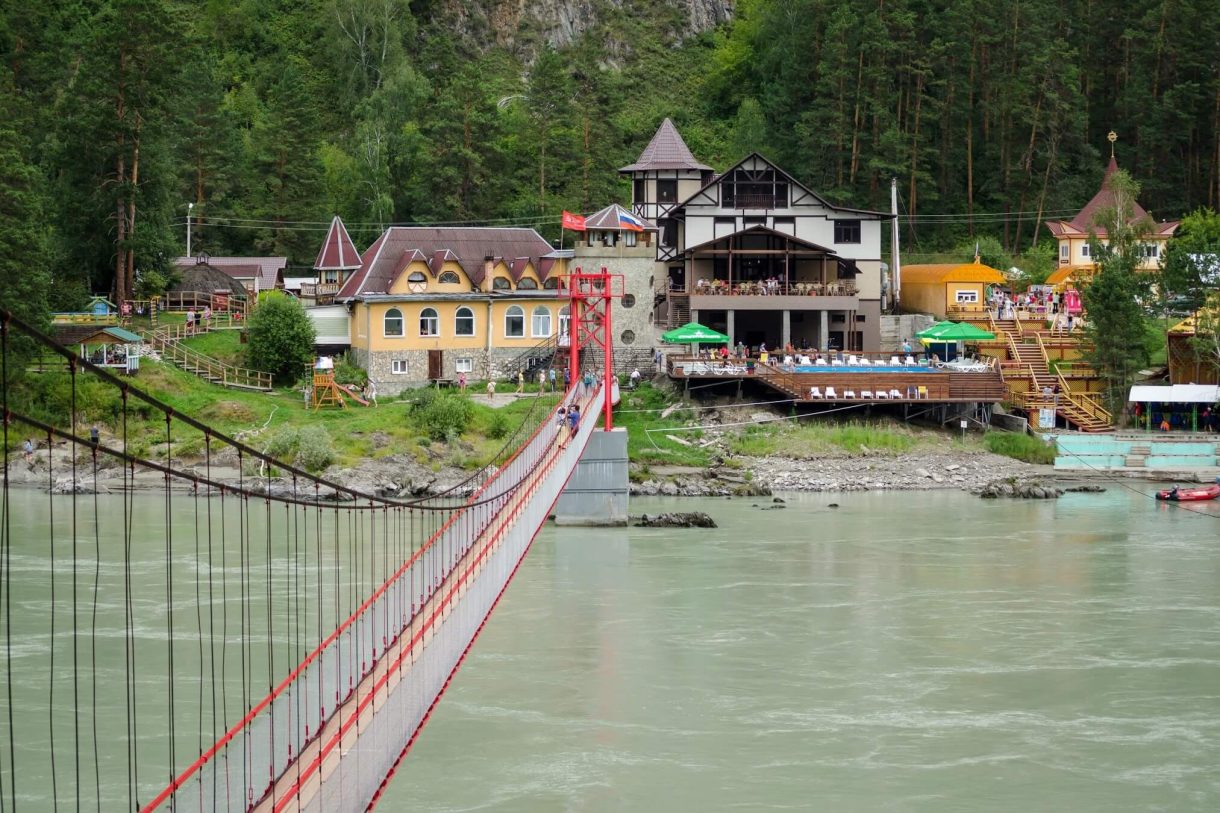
(894, 361)
(909, 361)
(815, 392)
(866, 394)
(863, 362)
(836, 363)
(882, 394)
(819, 362)
(803, 361)
(788, 361)
(831, 394)
(849, 393)
(895, 394)
(852, 361)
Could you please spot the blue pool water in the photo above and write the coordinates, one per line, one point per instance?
(847, 368)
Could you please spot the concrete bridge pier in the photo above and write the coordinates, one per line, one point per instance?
(597, 493)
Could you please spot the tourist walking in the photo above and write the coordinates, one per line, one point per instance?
(370, 392)
(561, 427)
(574, 419)
(462, 383)
(27, 451)
(190, 321)
(541, 382)
(551, 374)
(491, 389)
(635, 378)
(520, 381)
(588, 379)
(567, 379)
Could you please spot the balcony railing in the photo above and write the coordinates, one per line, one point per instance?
(722, 288)
(754, 202)
(315, 289)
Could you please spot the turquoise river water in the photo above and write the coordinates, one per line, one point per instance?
(905, 651)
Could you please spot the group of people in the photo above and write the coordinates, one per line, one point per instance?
(1044, 303)
(202, 319)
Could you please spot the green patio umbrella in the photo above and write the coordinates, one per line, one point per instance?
(945, 332)
(694, 333)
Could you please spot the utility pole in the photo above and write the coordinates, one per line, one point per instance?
(895, 263)
(189, 207)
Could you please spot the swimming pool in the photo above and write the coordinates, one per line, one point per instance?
(856, 368)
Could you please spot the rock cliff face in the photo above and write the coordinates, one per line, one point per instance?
(526, 23)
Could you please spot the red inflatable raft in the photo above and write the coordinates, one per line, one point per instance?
(1190, 494)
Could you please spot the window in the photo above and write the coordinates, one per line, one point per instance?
(551, 284)
(540, 324)
(463, 323)
(637, 191)
(669, 233)
(465, 365)
(628, 337)
(630, 239)
(847, 231)
(1063, 250)
(565, 319)
(501, 284)
(667, 191)
(398, 366)
(514, 323)
(330, 276)
(392, 325)
(967, 297)
(526, 284)
(450, 278)
(416, 276)
(754, 189)
(628, 300)
(429, 322)
(1084, 250)
(1150, 251)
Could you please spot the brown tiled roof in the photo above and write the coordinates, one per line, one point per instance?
(1104, 198)
(338, 252)
(667, 150)
(270, 270)
(469, 246)
(607, 220)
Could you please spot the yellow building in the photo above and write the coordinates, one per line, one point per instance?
(429, 304)
(948, 290)
(1192, 362)
(1074, 235)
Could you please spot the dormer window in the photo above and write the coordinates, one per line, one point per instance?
(449, 278)
(501, 284)
(526, 284)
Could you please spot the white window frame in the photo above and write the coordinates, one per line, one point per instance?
(966, 297)
(402, 324)
(1150, 251)
(443, 278)
(433, 322)
(631, 238)
(539, 312)
(463, 365)
(1065, 251)
(398, 367)
(565, 321)
(518, 312)
(457, 317)
(1084, 250)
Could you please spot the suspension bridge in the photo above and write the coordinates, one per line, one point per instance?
(246, 636)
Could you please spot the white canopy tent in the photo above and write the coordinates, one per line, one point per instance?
(1175, 394)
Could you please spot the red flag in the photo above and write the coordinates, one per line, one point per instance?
(573, 222)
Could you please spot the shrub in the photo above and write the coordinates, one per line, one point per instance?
(1019, 447)
(445, 416)
(281, 337)
(283, 444)
(348, 372)
(314, 448)
(499, 426)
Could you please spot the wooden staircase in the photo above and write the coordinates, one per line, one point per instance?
(166, 340)
(1079, 409)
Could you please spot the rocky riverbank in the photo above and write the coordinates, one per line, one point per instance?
(755, 476)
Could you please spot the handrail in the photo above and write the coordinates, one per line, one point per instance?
(166, 340)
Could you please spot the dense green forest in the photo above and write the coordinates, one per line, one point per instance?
(269, 116)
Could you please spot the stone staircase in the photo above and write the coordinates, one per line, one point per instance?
(679, 310)
(1137, 457)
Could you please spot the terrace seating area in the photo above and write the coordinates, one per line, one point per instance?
(772, 287)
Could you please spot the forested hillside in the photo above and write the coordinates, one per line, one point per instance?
(272, 115)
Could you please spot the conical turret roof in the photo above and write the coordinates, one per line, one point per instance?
(667, 150)
(338, 251)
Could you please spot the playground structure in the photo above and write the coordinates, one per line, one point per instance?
(325, 391)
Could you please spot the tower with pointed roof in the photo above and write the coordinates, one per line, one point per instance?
(1074, 235)
(337, 260)
(665, 174)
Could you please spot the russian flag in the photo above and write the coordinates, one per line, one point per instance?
(629, 221)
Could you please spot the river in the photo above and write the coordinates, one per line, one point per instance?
(904, 651)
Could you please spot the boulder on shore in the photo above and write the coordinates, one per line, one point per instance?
(1021, 490)
(676, 519)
